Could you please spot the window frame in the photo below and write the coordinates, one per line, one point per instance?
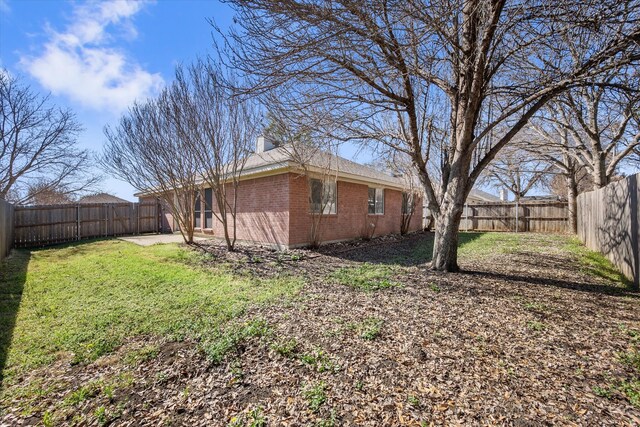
(377, 191)
(197, 211)
(208, 208)
(332, 187)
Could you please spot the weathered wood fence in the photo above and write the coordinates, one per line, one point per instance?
(6, 228)
(531, 216)
(608, 222)
(51, 224)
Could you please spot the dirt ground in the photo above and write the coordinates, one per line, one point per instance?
(523, 337)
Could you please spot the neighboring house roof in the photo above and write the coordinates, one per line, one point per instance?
(481, 196)
(101, 198)
(543, 197)
(475, 196)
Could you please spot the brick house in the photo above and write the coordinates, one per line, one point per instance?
(275, 208)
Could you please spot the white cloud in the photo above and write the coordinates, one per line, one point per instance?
(84, 64)
(4, 6)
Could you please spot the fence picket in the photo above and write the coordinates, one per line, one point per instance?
(609, 222)
(51, 224)
(545, 217)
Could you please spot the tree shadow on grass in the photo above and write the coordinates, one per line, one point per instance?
(77, 246)
(597, 288)
(417, 249)
(412, 250)
(13, 275)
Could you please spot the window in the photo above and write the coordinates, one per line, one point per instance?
(323, 197)
(208, 214)
(407, 203)
(376, 201)
(196, 212)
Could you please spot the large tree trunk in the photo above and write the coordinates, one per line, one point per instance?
(572, 202)
(445, 244)
(600, 178)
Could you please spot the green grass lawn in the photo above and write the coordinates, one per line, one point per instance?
(84, 300)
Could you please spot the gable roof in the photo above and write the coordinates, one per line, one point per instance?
(101, 198)
(280, 158)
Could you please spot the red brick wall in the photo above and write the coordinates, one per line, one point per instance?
(275, 210)
(263, 211)
(351, 220)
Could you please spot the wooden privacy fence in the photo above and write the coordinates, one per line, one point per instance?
(608, 222)
(532, 216)
(46, 225)
(6, 227)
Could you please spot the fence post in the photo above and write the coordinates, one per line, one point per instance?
(517, 218)
(466, 215)
(78, 222)
(136, 207)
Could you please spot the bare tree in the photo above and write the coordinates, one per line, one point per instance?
(554, 145)
(399, 165)
(517, 170)
(588, 132)
(580, 182)
(572, 180)
(220, 129)
(315, 158)
(147, 150)
(447, 82)
(39, 153)
(602, 125)
(41, 193)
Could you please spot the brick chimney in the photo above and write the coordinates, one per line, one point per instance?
(263, 144)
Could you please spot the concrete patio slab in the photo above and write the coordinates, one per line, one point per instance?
(154, 239)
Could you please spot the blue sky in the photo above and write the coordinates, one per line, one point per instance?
(98, 57)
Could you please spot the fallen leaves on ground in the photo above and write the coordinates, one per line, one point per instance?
(520, 338)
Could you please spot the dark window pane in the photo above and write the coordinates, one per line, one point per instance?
(376, 201)
(379, 201)
(323, 197)
(208, 199)
(372, 201)
(316, 195)
(208, 203)
(196, 212)
(330, 198)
